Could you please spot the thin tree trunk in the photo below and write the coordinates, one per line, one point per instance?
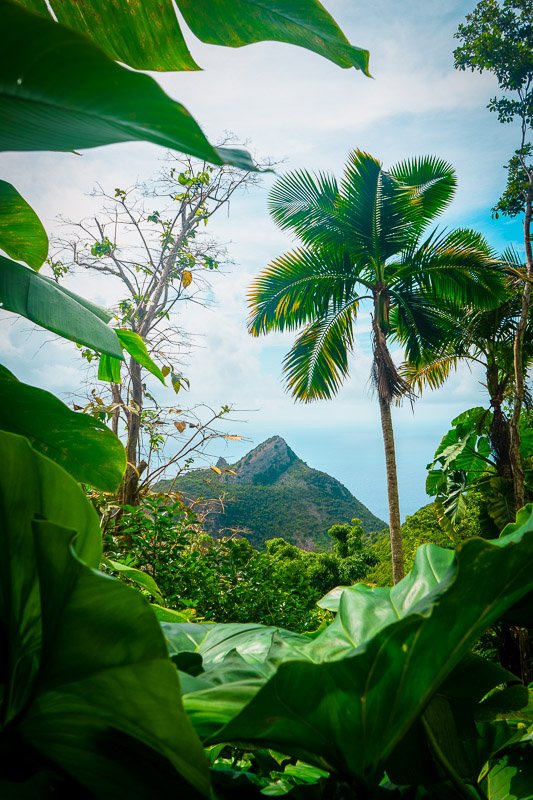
(392, 491)
(518, 470)
(128, 492)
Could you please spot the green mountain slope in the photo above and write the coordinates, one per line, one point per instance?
(271, 492)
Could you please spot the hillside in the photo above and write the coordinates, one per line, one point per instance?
(273, 493)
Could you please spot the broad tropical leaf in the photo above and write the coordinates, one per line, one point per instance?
(79, 443)
(73, 96)
(22, 235)
(239, 22)
(146, 35)
(351, 710)
(88, 688)
(44, 302)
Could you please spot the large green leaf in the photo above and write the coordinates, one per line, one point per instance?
(46, 303)
(146, 34)
(305, 23)
(81, 444)
(136, 347)
(511, 778)
(88, 687)
(58, 91)
(353, 709)
(32, 487)
(109, 368)
(22, 235)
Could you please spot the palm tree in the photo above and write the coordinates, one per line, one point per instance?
(365, 240)
(487, 340)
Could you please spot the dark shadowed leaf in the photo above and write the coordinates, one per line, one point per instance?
(89, 687)
(79, 443)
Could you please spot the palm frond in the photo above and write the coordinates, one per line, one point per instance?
(457, 268)
(317, 363)
(371, 210)
(297, 288)
(423, 327)
(305, 203)
(433, 375)
(429, 184)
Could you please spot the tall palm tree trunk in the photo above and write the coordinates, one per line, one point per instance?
(518, 469)
(389, 384)
(392, 491)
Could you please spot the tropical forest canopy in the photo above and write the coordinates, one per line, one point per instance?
(146, 651)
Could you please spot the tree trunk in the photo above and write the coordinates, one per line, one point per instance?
(518, 470)
(392, 491)
(128, 493)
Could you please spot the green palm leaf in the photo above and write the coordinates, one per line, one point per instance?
(306, 204)
(297, 288)
(458, 268)
(372, 211)
(430, 185)
(433, 375)
(317, 363)
(419, 324)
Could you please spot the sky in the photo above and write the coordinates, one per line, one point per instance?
(302, 111)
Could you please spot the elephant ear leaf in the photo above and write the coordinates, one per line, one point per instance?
(235, 23)
(79, 443)
(89, 689)
(388, 680)
(22, 235)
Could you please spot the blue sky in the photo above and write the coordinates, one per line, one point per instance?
(297, 108)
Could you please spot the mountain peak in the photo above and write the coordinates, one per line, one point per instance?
(266, 462)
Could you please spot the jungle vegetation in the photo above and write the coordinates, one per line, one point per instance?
(139, 690)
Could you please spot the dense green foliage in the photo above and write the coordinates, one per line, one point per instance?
(97, 699)
(420, 528)
(275, 690)
(466, 462)
(227, 579)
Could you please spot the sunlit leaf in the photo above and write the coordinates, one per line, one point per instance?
(58, 91)
(51, 306)
(22, 235)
